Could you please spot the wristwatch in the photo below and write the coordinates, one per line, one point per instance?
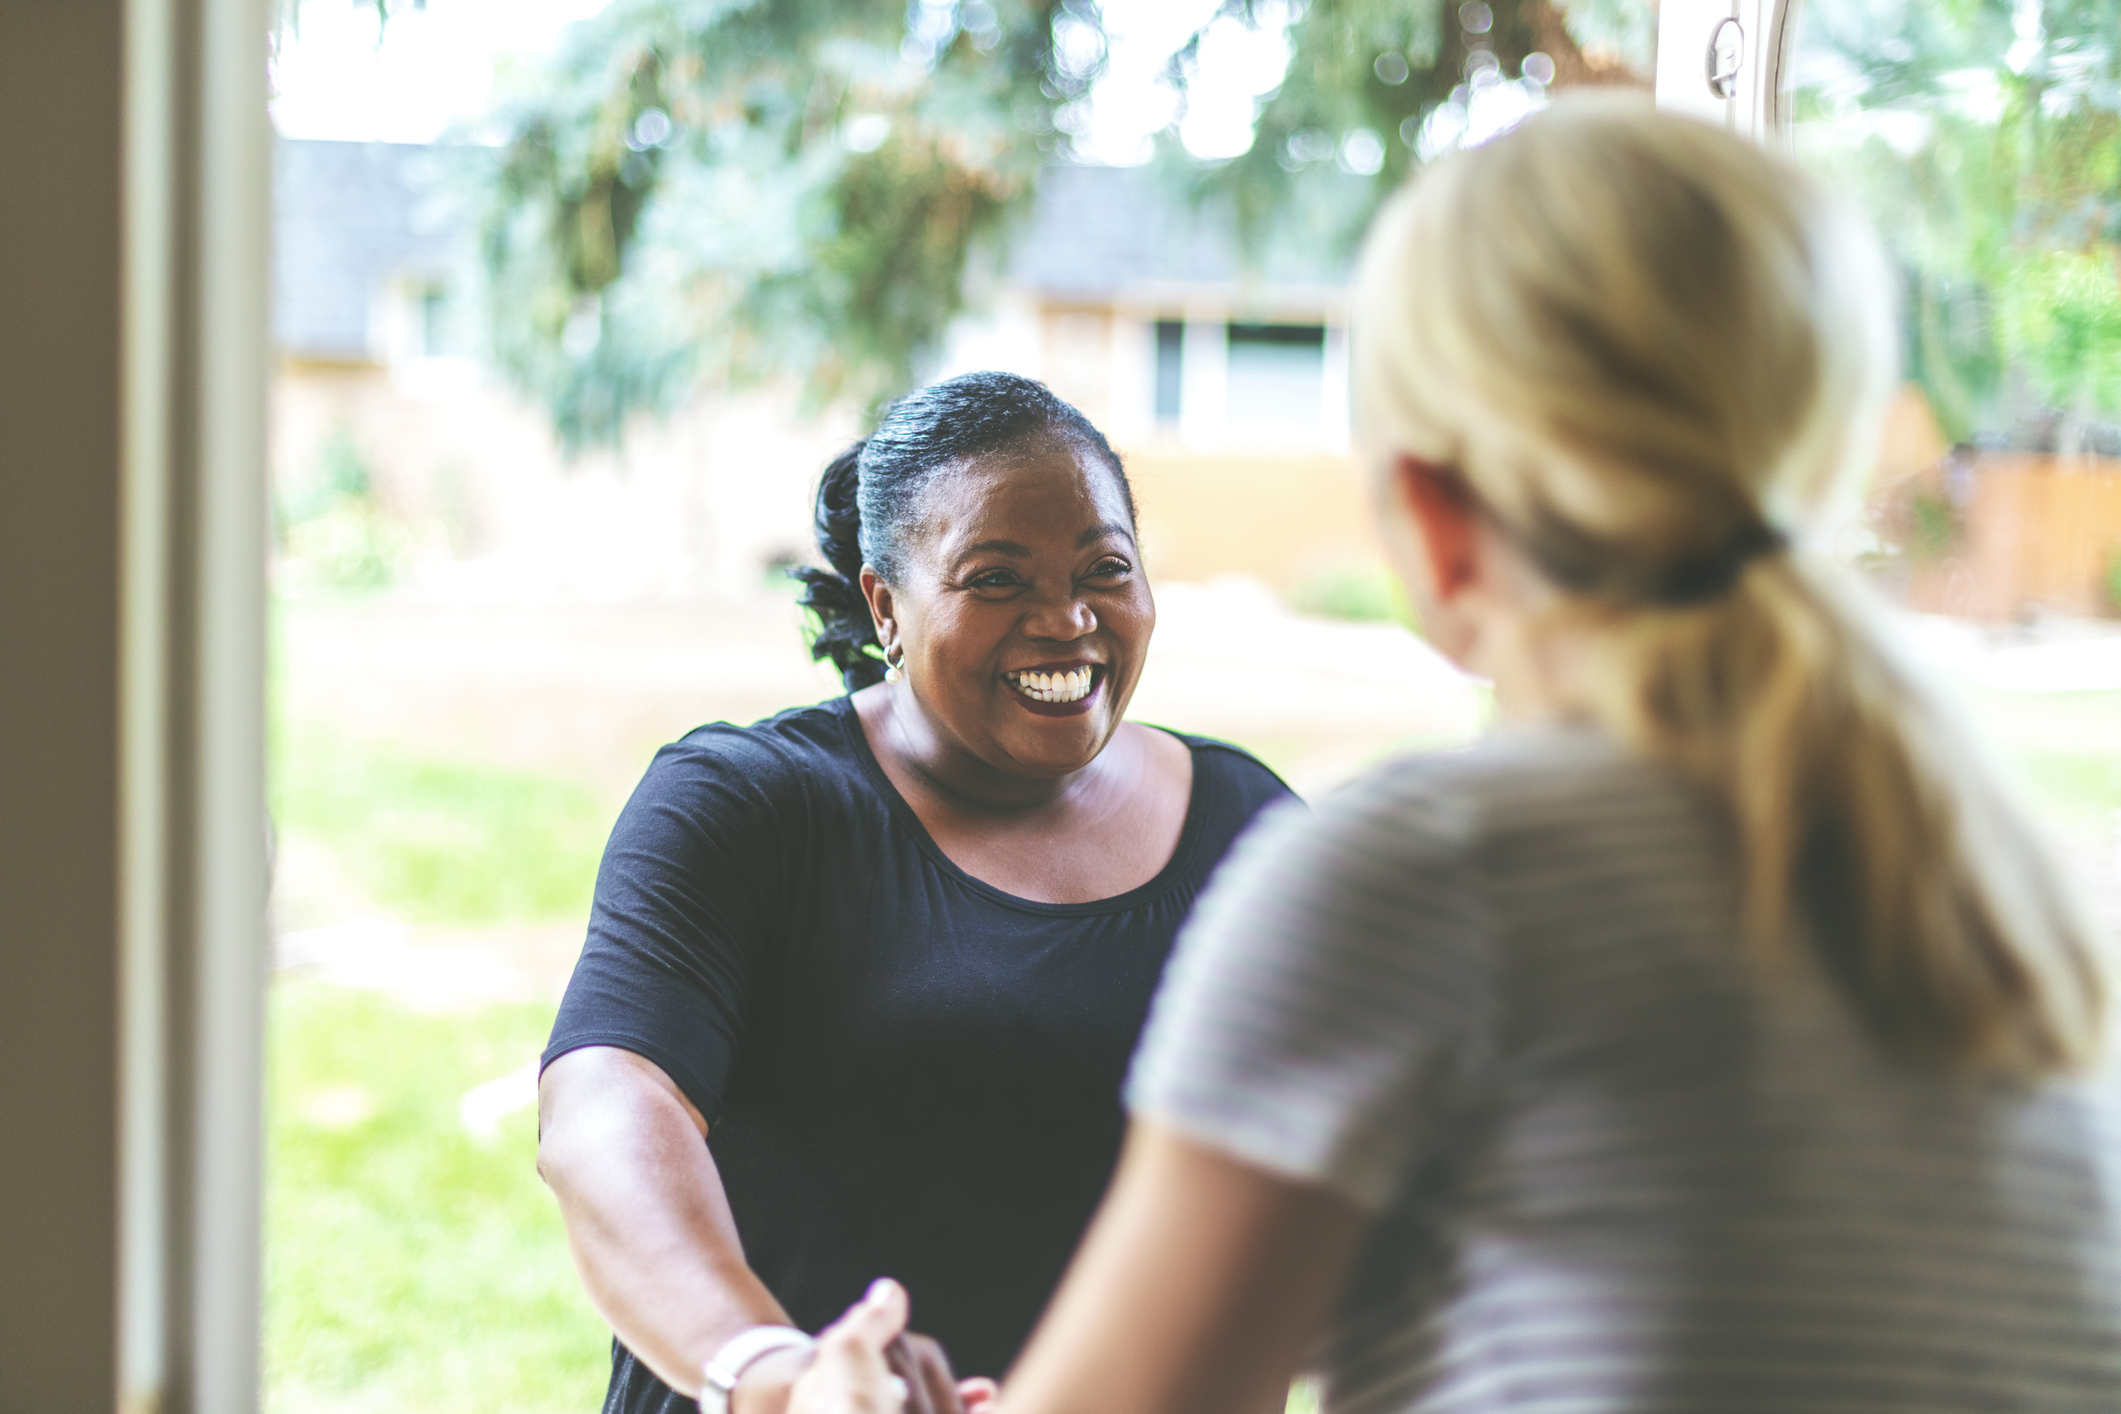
(743, 1350)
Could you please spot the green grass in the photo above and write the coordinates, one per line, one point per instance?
(409, 1267)
(442, 841)
(2067, 746)
(2072, 786)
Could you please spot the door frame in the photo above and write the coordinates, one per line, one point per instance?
(1759, 103)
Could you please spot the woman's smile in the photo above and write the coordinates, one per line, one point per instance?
(1057, 689)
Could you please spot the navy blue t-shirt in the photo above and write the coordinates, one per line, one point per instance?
(905, 1072)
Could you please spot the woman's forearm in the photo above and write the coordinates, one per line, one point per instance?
(646, 1217)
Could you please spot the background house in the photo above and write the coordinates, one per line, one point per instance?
(398, 453)
(1226, 390)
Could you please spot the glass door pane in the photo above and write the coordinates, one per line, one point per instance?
(1984, 140)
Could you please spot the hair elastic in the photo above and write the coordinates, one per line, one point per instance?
(1580, 561)
(1710, 576)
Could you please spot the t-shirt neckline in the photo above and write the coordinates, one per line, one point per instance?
(906, 818)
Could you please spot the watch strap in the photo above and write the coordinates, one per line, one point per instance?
(738, 1354)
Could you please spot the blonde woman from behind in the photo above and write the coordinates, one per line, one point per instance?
(1715, 1037)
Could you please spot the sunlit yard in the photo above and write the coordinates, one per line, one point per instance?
(410, 1266)
(2068, 744)
(442, 841)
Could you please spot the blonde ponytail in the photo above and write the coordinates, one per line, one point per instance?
(1649, 348)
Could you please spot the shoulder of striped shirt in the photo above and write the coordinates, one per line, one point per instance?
(1532, 767)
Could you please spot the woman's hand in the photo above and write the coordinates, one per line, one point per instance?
(867, 1364)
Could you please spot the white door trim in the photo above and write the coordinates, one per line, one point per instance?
(1758, 104)
(192, 945)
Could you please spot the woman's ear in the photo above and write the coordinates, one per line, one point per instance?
(881, 608)
(1445, 520)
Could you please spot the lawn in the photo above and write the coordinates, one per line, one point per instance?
(442, 841)
(411, 1268)
(2068, 745)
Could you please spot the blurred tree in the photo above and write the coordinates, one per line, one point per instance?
(747, 188)
(1375, 87)
(739, 188)
(1985, 136)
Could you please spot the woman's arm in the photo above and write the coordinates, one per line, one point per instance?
(1198, 1289)
(626, 1154)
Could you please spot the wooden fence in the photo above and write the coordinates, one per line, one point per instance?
(2029, 533)
(2033, 533)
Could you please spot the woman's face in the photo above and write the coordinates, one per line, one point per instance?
(1025, 615)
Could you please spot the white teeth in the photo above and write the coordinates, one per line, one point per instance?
(1071, 686)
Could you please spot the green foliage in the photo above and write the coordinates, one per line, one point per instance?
(741, 189)
(1618, 37)
(408, 1265)
(1343, 94)
(2061, 318)
(733, 189)
(286, 15)
(1364, 78)
(1985, 137)
(443, 841)
(1934, 525)
(335, 525)
(2063, 743)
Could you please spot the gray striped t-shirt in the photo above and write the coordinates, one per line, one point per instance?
(1497, 998)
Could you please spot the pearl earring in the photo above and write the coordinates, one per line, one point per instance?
(895, 672)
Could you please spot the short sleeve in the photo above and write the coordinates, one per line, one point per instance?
(1330, 1000)
(688, 901)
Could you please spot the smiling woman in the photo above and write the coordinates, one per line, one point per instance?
(888, 955)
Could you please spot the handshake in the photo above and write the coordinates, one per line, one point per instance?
(867, 1363)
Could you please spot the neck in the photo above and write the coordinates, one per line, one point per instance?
(1538, 677)
(955, 774)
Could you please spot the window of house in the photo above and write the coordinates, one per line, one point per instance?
(434, 321)
(1170, 369)
(1277, 381)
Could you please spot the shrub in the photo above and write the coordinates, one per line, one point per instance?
(1361, 592)
(336, 526)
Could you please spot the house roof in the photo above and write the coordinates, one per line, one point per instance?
(348, 218)
(1129, 233)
